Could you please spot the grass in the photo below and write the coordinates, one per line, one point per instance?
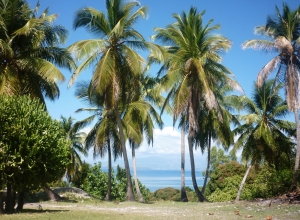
(94, 209)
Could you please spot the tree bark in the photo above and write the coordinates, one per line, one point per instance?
(184, 197)
(296, 169)
(137, 188)
(242, 184)
(108, 194)
(51, 194)
(208, 164)
(9, 203)
(200, 196)
(1, 197)
(1, 201)
(21, 201)
(129, 194)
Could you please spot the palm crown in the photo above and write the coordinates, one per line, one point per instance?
(30, 51)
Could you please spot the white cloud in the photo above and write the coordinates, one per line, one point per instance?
(165, 153)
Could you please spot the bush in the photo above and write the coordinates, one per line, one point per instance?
(96, 182)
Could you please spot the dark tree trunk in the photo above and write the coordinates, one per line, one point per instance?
(21, 201)
(51, 194)
(1, 197)
(200, 196)
(208, 164)
(1, 202)
(9, 203)
(137, 188)
(297, 159)
(184, 197)
(129, 194)
(108, 194)
(242, 184)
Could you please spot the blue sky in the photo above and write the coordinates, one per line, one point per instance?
(237, 19)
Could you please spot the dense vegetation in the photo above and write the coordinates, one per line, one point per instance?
(33, 148)
(126, 102)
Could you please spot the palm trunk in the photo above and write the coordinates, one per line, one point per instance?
(208, 164)
(108, 194)
(137, 188)
(242, 184)
(184, 197)
(200, 196)
(51, 194)
(129, 194)
(296, 169)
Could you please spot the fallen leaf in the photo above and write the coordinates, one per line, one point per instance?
(269, 217)
(249, 216)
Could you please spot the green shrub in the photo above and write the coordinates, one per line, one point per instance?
(96, 182)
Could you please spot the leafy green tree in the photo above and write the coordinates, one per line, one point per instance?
(224, 181)
(282, 33)
(76, 139)
(265, 136)
(95, 184)
(192, 60)
(30, 51)
(78, 182)
(117, 64)
(33, 148)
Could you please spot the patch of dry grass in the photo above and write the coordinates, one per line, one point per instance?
(93, 209)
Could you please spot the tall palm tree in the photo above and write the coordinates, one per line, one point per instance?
(140, 117)
(183, 125)
(282, 33)
(30, 51)
(116, 63)
(265, 136)
(104, 136)
(210, 127)
(76, 139)
(193, 64)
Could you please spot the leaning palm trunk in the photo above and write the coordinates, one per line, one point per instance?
(208, 164)
(297, 159)
(137, 188)
(51, 194)
(200, 196)
(129, 194)
(108, 194)
(184, 197)
(242, 184)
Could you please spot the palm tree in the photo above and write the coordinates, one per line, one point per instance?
(30, 52)
(104, 136)
(183, 125)
(210, 127)
(265, 136)
(139, 119)
(117, 65)
(76, 139)
(283, 33)
(193, 64)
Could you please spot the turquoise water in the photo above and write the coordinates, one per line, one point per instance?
(156, 179)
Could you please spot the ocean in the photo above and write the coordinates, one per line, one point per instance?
(157, 179)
